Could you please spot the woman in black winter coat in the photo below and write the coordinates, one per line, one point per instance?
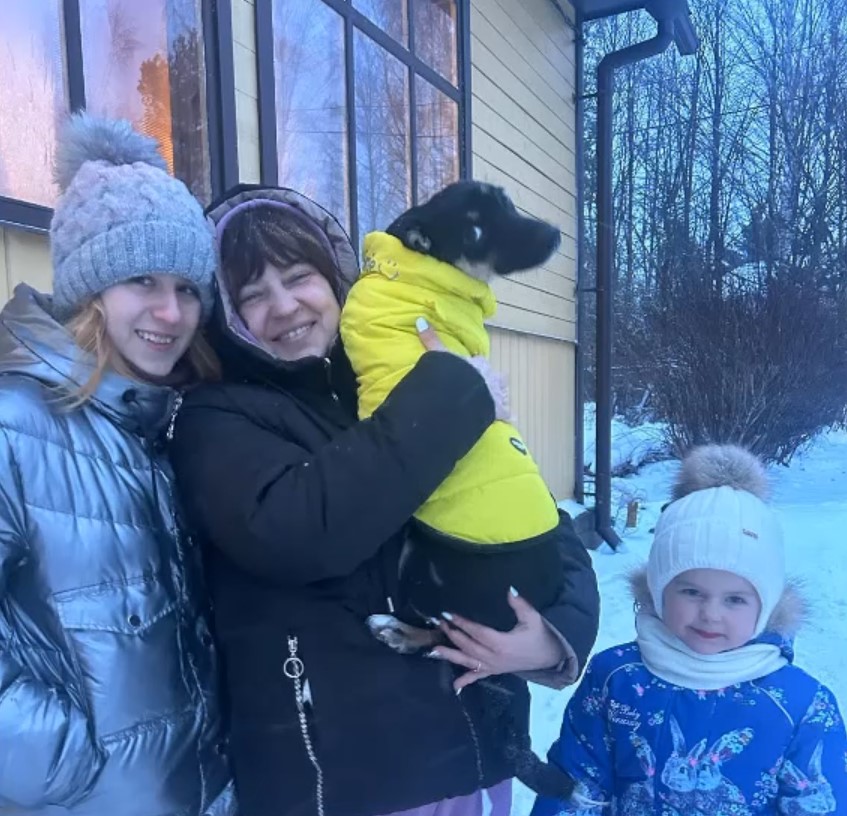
(301, 509)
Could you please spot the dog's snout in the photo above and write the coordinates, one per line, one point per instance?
(548, 238)
(529, 243)
(555, 238)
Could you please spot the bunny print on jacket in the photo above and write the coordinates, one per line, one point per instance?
(694, 777)
(812, 791)
(641, 746)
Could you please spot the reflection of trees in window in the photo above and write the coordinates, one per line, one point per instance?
(382, 135)
(154, 87)
(192, 160)
(115, 41)
(33, 98)
(437, 139)
(435, 35)
(389, 15)
(145, 63)
(311, 114)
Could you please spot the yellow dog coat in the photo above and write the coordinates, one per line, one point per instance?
(495, 494)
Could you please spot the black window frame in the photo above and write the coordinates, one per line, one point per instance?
(216, 23)
(354, 19)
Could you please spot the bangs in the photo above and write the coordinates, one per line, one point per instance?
(263, 236)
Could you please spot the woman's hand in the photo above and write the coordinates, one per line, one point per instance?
(493, 379)
(529, 646)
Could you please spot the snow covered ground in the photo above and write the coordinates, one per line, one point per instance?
(811, 497)
(631, 445)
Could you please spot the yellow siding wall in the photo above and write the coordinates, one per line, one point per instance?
(24, 257)
(523, 138)
(523, 119)
(541, 378)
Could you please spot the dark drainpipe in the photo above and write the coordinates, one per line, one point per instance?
(605, 267)
(579, 360)
(674, 25)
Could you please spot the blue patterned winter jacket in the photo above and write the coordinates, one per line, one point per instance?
(645, 747)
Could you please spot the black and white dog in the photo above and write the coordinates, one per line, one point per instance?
(476, 228)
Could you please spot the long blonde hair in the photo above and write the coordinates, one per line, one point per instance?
(88, 329)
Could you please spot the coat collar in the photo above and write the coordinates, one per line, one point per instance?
(386, 255)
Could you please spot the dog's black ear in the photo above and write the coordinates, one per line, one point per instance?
(409, 229)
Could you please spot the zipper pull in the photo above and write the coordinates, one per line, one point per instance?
(328, 369)
(169, 435)
(293, 667)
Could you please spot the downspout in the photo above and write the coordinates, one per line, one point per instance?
(605, 267)
(579, 375)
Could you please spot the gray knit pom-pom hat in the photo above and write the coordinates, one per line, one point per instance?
(121, 215)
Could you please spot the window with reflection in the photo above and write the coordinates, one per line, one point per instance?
(390, 15)
(144, 62)
(438, 138)
(368, 132)
(382, 135)
(436, 32)
(33, 98)
(311, 107)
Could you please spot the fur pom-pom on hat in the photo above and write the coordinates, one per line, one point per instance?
(121, 216)
(719, 520)
(719, 466)
(113, 141)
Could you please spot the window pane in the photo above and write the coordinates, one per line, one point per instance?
(33, 98)
(145, 62)
(437, 139)
(435, 35)
(382, 135)
(389, 15)
(311, 111)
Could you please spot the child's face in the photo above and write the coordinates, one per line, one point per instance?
(710, 610)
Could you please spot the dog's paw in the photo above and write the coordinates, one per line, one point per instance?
(399, 636)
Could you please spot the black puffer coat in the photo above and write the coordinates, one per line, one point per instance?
(302, 508)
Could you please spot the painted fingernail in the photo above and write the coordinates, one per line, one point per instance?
(421, 324)
(459, 690)
(434, 654)
(447, 616)
(433, 621)
(514, 592)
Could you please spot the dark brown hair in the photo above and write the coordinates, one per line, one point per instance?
(266, 236)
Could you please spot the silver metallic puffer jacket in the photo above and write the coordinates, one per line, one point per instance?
(108, 687)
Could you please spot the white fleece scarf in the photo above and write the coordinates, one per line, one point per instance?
(666, 656)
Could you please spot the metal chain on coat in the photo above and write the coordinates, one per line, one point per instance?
(293, 668)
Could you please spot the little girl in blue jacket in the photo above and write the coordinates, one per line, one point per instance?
(704, 713)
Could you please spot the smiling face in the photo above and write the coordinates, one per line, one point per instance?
(151, 321)
(291, 311)
(711, 611)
